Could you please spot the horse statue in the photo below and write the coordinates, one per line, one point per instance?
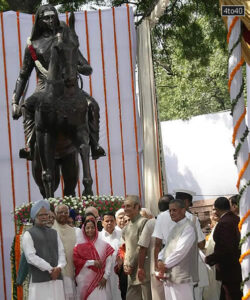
(62, 115)
(66, 164)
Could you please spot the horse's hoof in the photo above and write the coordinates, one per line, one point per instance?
(97, 152)
(26, 154)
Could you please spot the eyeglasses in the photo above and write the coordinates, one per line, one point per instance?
(42, 215)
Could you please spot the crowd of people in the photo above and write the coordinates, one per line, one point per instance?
(132, 254)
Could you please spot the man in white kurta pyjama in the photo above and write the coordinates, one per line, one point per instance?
(177, 261)
(44, 253)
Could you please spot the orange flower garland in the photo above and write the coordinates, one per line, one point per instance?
(231, 76)
(242, 171)
(236, 127)
(235, 70)
(244, 255)
(247, 296)
(243, 219)
(235, 19)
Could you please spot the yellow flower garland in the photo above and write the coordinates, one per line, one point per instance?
(243, 219)
(246, 296)
(244, 255)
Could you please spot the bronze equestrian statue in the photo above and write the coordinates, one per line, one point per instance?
(46, 31)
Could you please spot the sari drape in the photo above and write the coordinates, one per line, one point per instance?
(89, 276)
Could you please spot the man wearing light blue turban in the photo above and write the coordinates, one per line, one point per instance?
(37, 206)
(44, 253)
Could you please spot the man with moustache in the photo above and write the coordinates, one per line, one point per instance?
(112, 236)
(177, 262)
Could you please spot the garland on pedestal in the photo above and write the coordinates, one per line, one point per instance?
(78, 204)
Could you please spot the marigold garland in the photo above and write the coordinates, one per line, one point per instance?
(243, 219)
(237, 126)
(235, 70)
(246, 296)
(235, 19)
(236, 100)
(242, 171)
(244, 255)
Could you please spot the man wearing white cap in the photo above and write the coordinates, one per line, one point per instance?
(44, 253)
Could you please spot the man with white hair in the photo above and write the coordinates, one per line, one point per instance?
(163, 227)
(177, 262)
(119, 217)
(68, 237)
(44, 253)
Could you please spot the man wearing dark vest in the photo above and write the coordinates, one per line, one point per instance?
(44, 253)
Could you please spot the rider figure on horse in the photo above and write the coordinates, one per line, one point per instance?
(37, 54)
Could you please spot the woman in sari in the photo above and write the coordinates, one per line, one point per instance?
(92, 260)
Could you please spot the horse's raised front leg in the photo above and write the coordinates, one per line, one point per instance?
(46, 147)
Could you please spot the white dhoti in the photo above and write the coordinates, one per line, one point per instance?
(203, 279)
(180, 291)
(69, 288)
(112, 287)
(49, 290)
(157, 288)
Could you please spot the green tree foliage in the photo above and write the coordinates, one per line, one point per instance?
(4, 5)
(190, 57)
(30, 6)
(190, 60)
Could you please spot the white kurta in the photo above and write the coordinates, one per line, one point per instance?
(49, 290)
(186, 240)
(164, 226)
(68, 282)
(114, 239)
(213, 290)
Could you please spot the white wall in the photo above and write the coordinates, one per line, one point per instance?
(199, 155)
